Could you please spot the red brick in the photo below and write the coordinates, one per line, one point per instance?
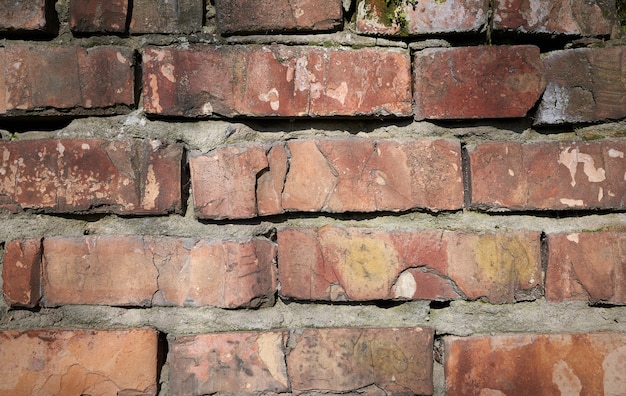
(356, 264)
(28, 15)
(166, 16)
(93, 80)
(549, 175)
(277, 80)
(586, 18)
(98, 16)
(421, 17)
(587, 266)
(90, 175)
(145, 271)
(78, 362)
(327, 175)
(477, 82)
(583, 85)
(3, 82)
(243, 363)
(21, 272)
(251, 16)
(393, 360)
(530, 364)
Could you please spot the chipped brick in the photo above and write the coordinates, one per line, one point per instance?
(21, 272)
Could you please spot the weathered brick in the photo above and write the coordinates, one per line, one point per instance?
(96, 80)
(327, 175)
(234, 363)
(586, 18)
(28, 15)
(477, 82)
(166, 16)
(78, 362)
(583, 85)
(90, 175)
(21, 272)
(146, 271)
(549, 175)
(531, 364)
(587, 266)
(277, 80)
(98, 16)
(251, 16)
(410, 17)
(393, 360)
(356, 264)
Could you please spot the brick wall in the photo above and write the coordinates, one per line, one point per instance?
(312, 197)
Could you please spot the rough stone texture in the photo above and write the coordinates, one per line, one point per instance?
(327, 175)
(146, 271)
(396, 361)
(583, 85)
(21, 272)
(243, 363)
(27, 15)
(355, 264)
(586, 18)
(251, 16)
(78, 362)
(549, 175)
(277, 80)
(90, 175)
(559, 364)
(94, 80)
(98, 16)
(587, 266)
(166, 16)
(477, 82)
(422, 17)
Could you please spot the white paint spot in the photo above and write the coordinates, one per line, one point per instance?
(511, 172)
(600, 194)
(60, 149)
(615, 153)
(614, 366)
(168, 72)
(339, 93)
(121, 59)
(405, 286)
(207, 108)
(85, 146)
(272, 97)
(573, 237)
(570, 160)
(572, 202)
(564, 378)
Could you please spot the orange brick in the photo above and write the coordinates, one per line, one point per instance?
(21, 272)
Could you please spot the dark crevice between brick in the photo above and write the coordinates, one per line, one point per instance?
(22, 124)
(543, 252)
(438, 348)
(137, 69)
(467, 176)
(162, 351)
(129, 17)
(185, 182)
(440, 304)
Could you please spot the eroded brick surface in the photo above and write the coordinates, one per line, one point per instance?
(21, 272)
(147, 271)
(98, 16)
(250, 16)
(90, 175)
(585, 364)
(421, 17)
(549, 175)
(166, 16)
(354, 264)
(583, 85)
(586, 18)
(26, 15)
(94, 80)
(278, 80)
(78, 362)
(394, 360)
(587, 266)
(327, 175)
(477, 82)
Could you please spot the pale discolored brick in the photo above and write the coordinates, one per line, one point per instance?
(78, 362)
(277, 80)
(356, 264)
(28, 15)
(244, 363)
(536, 364)
(580, 18)
(548, 175)
(91, 175)
(395, 360)
(410, 17)
(21, 272)
(98, 16)
(166, 16)
(477, 82)
(583, 85)
(587, 266)
(250, 16)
